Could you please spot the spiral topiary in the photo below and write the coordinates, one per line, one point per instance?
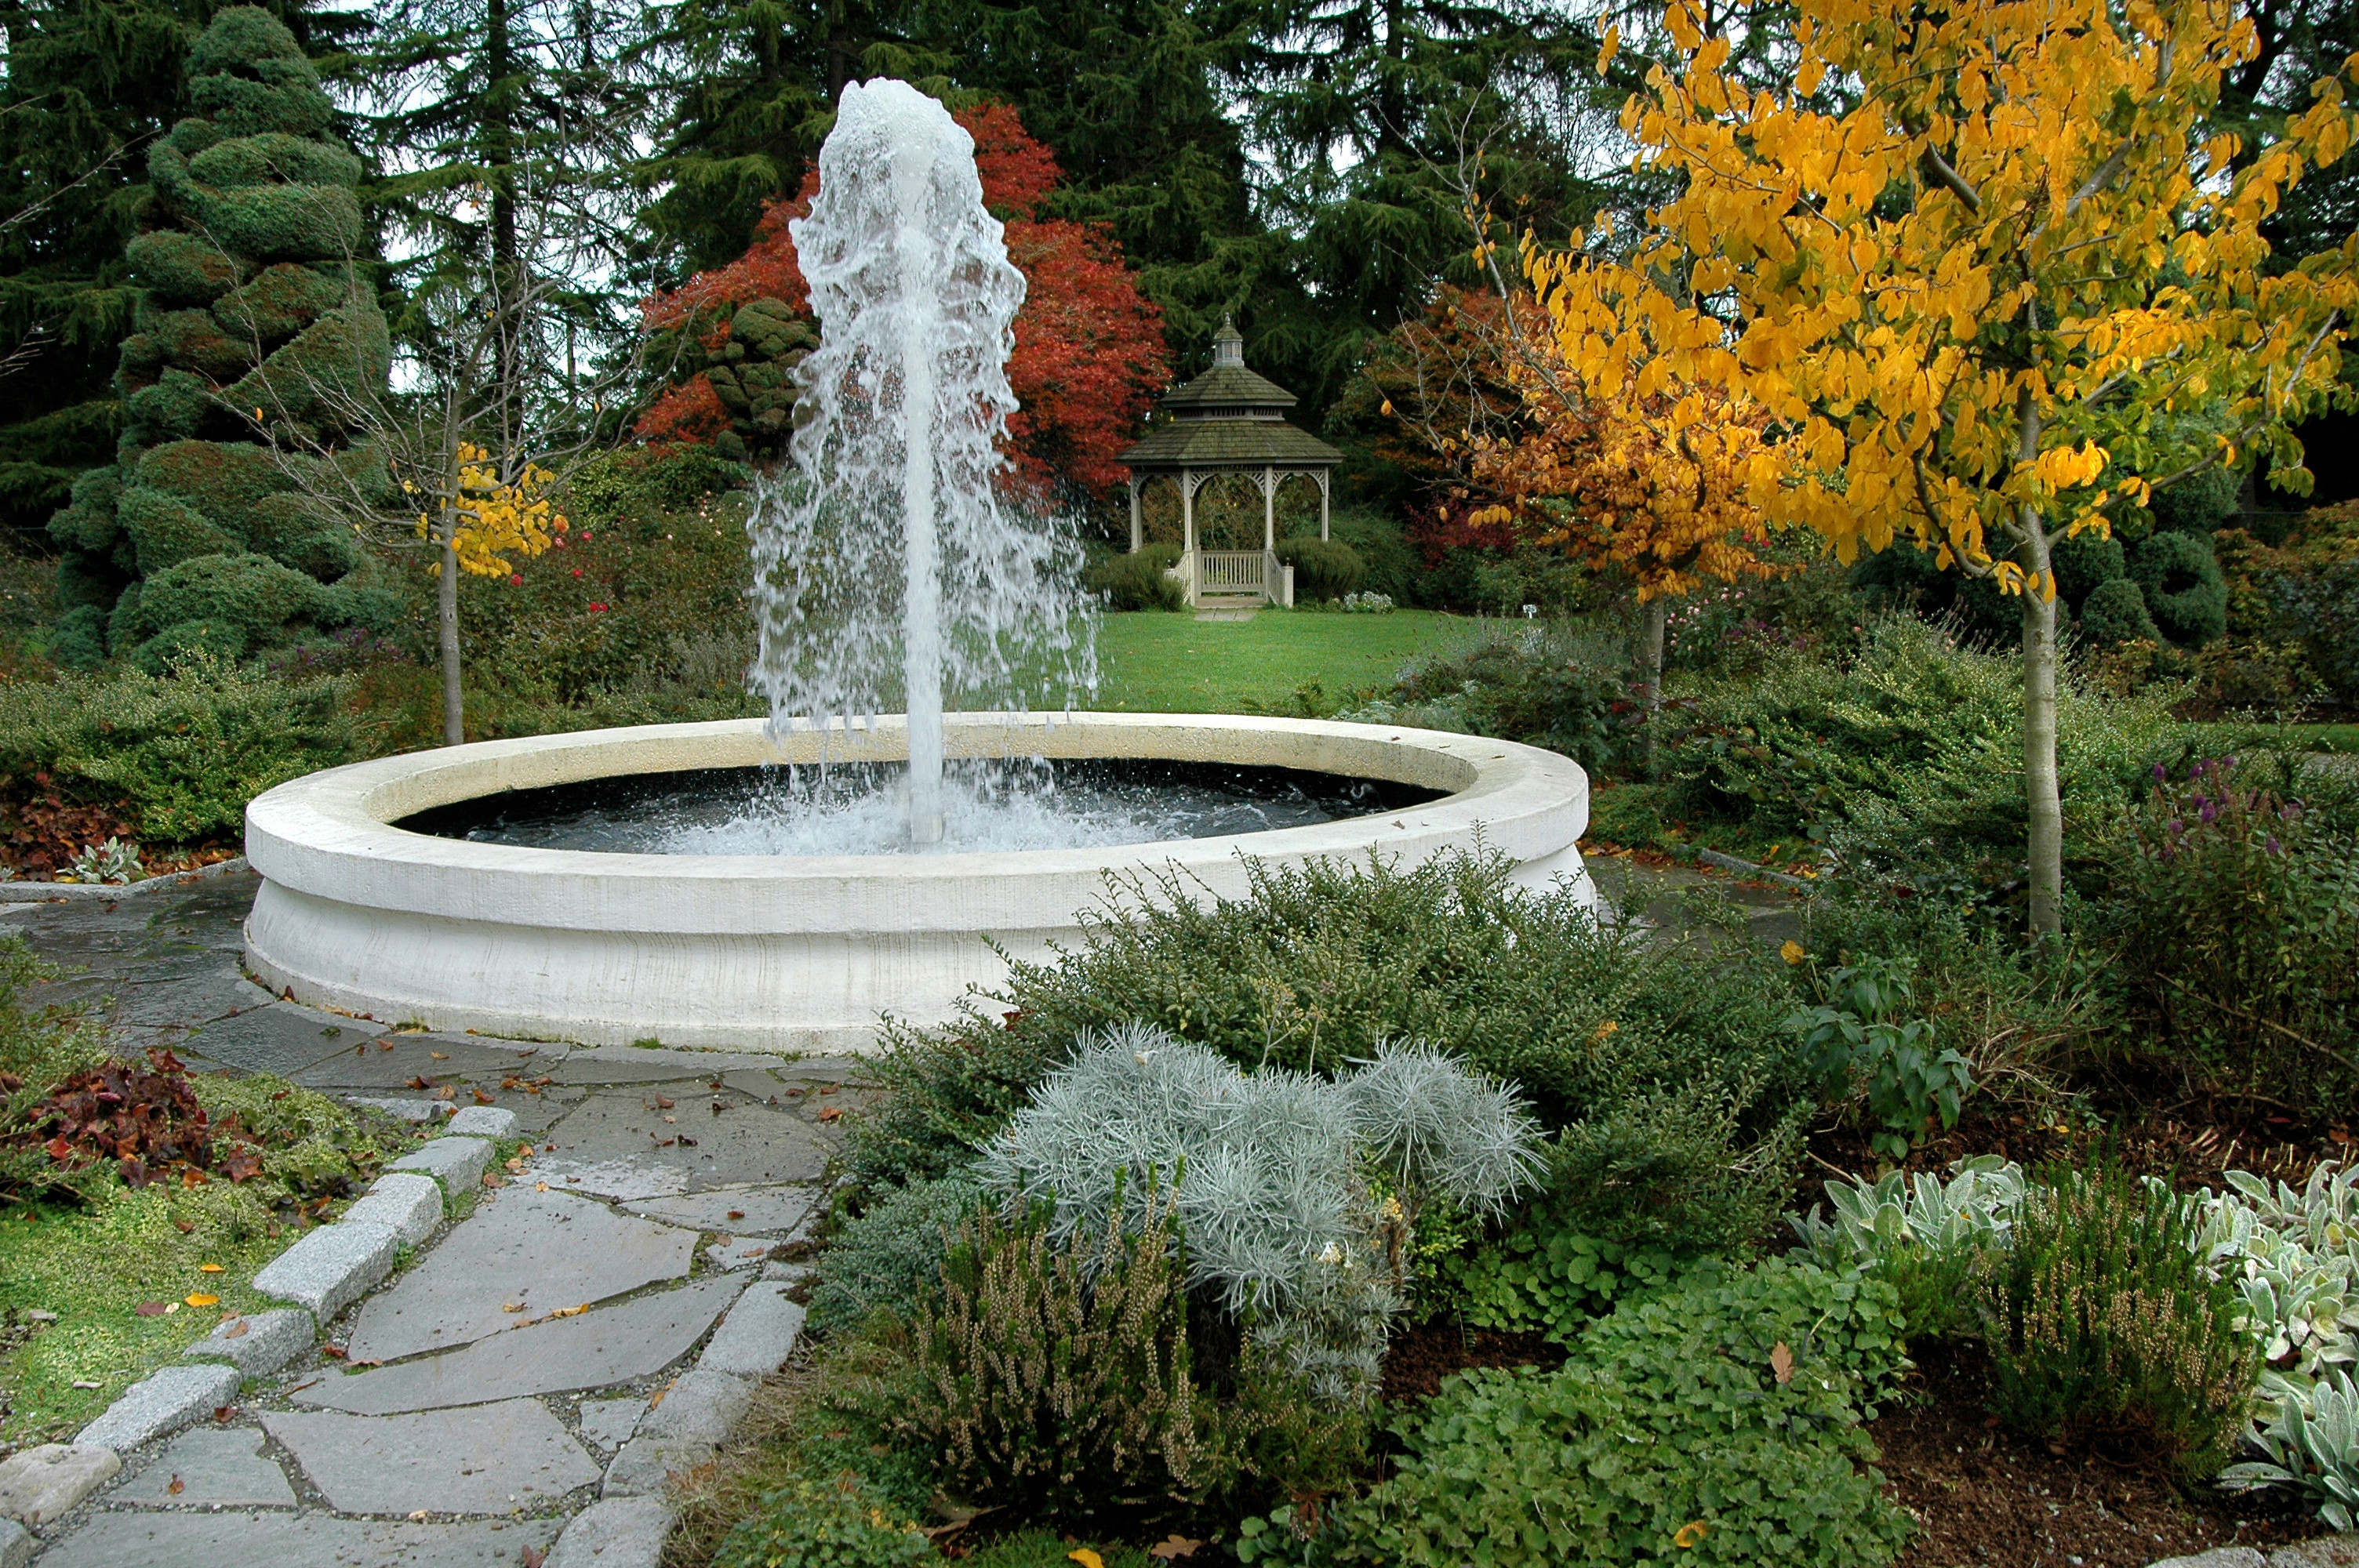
(2115, 612)
(252, 312)
(2184, 590)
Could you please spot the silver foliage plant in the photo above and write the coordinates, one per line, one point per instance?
(1274, 1176)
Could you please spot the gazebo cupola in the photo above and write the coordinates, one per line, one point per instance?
(1229, 420)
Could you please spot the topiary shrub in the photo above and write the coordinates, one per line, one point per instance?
(1323, 568)
(2115, 612)
(2198, 504)
(2184, 591)
(252, 313)
(2083, 563)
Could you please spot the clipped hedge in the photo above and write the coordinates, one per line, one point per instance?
(1135, 580)
(1323, 568)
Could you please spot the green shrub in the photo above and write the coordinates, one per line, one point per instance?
(1137, 580)
(892, 1255)
(1381, 541)
(1542, 1274)
(2238, 929)
(2199, 504)
(1056, 1381)
(1924, 1236)
(2116, 614)
(1680, 1132)
(2102, 1320)
(187, 749)
(823, 1524)
(1533, 685)
(1712, 1422)
(1323, 568)
(2184, 591)
(1872, 1058)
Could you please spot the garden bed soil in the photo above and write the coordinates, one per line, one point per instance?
(1985, 1496)
(1417, 1360)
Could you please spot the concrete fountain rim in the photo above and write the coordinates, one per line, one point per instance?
(331, 833)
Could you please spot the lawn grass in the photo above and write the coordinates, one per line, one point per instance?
(1151, 661)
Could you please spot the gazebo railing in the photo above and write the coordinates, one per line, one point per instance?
(1233, 572)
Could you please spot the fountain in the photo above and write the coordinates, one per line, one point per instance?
(779, 883)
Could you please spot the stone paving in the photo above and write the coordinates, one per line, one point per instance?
(596, 1320)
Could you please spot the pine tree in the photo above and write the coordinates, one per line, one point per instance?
(252, 314)
(86, 87)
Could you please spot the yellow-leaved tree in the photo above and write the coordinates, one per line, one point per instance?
(1969, 265)
(482, 511)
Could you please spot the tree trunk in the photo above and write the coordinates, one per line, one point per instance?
(1652, 616)
(2043, 801)
(446, 615)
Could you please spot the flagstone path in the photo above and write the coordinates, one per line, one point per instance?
(596, 1320)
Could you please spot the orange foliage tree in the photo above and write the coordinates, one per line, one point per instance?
(1088, 359)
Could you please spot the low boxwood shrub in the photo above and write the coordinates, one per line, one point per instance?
(1135, 580)
(892, 1254)
(1716, 1421)
(1323, 568)
(1674, 1093)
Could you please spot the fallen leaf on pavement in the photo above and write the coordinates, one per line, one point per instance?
(492, 1180)
(662, 1104)
(736, 1214)
(332, 1352)
(540, 1186)
(512, 1306)
(533, 1557)
(482, 1099)
(517, 1163)
(831, 1113)
(440, 1056)
(177, 1487)
(571, 1310)
(236, 1330)
(446, 1092)
(418, 1081)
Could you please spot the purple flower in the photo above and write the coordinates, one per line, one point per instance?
(2175, 826)
(2208, 813)
(2273, 845)
(2160, 772)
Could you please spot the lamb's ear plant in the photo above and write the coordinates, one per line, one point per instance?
(2313, 1444)
(1923, 1234)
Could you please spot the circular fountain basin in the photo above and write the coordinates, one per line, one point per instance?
(805, 953)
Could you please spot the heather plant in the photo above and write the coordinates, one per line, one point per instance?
(2101, 1319)
(1056, 1378)
(1270, 1178)
(2239, 934)
(1675, 1097)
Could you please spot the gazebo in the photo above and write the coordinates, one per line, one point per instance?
(1229, 420)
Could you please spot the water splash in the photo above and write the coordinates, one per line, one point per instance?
(888, 564)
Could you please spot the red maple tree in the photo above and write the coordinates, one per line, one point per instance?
(1090, 356)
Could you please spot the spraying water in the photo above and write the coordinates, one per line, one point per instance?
(888, 564)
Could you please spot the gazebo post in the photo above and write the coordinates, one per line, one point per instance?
(1268, 510)
(1322, 506)
(1136, 539)
(1188, 510)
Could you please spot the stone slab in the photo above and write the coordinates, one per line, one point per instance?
(546, 1250)
(15, 1544)
(697, 1414)
(391, 1060)
(135, 1540)
(643, 1065)
(331, 1268)
(621, 1532)
(608, 1424)
(409, 1203)
(274, 1038)
(457, 1162)
(165, 1401)
(735, 1211)
(258, 1343)
(486, 1459)
(40, 1483)
(2321, 1551)
(746, 1252)
(219, 999)
(483, 1121)
(2218, 1557)
(599, 1349)
(618, 1145)
(216, 1468)
(757, 1336)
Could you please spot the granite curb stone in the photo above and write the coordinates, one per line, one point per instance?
(456, 1162)
(411, 1204)
(681, 1434)
(15, 1544)
(2218, 1557)
(331, 1268)
(403, 1110)
(165, 1401)
(40, 1483)
(757, 1336)
(269, 1341)
(482, 1121)
(621, 1532)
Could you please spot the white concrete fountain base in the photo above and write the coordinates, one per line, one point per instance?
(792, 953)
